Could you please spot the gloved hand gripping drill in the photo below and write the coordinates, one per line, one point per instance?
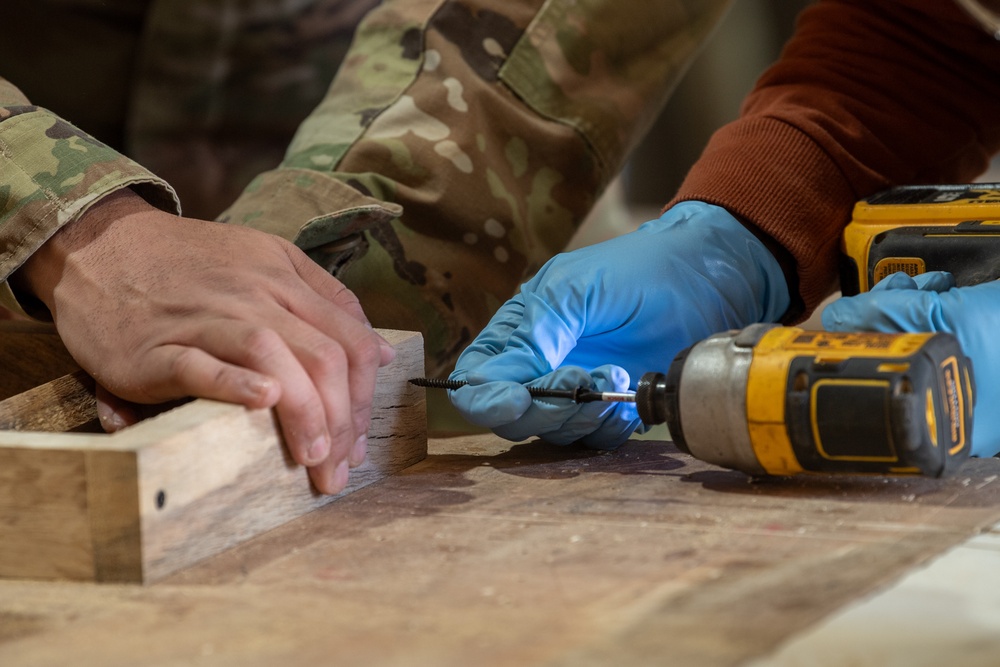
(710, 274)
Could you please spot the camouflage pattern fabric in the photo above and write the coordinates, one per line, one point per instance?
(204, 94)
(50, 173)
(458, 147)
(225, 84)
(493, 124)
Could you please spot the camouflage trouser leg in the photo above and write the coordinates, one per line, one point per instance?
(494, 124)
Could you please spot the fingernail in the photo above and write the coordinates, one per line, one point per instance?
(112, 422)
(340, 477)
(318, 450)
(359, 451)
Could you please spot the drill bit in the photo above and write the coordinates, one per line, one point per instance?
(578, 395)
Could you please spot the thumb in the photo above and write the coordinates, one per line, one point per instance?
(543, 338)
(891, 310)
(935, 281)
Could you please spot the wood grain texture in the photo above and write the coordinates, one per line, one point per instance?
(176, 488)
(115, 522)
(44, 523)
(31, 353)
(498, 554)
(64, 404)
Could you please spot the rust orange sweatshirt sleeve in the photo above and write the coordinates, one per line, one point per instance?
(867, 94)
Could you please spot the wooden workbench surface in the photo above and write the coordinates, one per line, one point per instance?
(489, 553)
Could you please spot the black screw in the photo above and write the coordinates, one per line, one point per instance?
(579, 395)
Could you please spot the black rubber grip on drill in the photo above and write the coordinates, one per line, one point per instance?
(657, 398)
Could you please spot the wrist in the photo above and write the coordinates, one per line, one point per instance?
(743, 262)
(37, 278)
(786, 262)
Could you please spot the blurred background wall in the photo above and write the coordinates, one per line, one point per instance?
(749, 39)
(744, 44)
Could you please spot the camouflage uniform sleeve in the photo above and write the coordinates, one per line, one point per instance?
(461, 144)
(50, 173)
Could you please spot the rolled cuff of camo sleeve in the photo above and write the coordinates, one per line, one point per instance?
(802, 201)
(50, 174)
(309, 208)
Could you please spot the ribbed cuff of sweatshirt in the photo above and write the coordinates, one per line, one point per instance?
(773, 176)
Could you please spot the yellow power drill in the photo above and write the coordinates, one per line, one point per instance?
(780, 400)
(774, 400)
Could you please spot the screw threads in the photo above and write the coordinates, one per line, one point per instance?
(435, 383)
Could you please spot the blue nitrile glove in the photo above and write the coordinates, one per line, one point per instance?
(601, 316)
(931, 302)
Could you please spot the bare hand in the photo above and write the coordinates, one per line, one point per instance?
(158, 307)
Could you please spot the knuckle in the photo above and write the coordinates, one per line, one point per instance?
(368, 352)
(261, 343)
(358, 359)
(361, 417)
(181, 365)
(327, 357)
(342, 433)
(309, 410)
(344, 296)
(225, 376)
(302, 426)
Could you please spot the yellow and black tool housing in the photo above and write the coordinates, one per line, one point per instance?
(916, 229)
(774, 400)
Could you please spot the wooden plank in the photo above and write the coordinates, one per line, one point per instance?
(44, 523)
(115, 523)
(67, 403)
(176, 488)
(197, 499)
